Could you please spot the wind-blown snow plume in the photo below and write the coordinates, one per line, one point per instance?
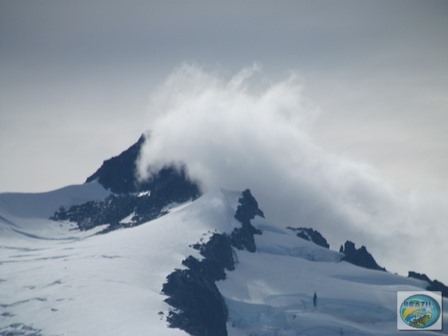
(237, 133)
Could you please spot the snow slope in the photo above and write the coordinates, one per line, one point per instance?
(271, 292)
(25, 215)
(58, 281)
(101, 284)
(43, 205)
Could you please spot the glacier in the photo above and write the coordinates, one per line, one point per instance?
(58, 280)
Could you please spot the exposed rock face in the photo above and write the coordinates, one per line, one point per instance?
(433, 285)
(169, 188)
(118, 173)
(140, 200)
(360, 257)
(310, 235)
(200, 309)
(419, 276)
(243, 238)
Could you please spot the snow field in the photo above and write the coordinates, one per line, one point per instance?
(103, 284)
(58, 281)
(271, 291)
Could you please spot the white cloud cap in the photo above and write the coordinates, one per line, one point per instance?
(236, 133)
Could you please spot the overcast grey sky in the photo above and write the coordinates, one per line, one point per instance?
(75, 77)
(77, 83)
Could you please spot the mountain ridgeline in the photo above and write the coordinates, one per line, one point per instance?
(118, 174)
(197, 305)
(138, 201)
(360, 257)
(310, 235)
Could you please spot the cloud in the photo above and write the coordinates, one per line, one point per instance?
(244, 131)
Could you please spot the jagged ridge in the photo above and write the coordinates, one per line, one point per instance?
(310, 235)
(433, 285)
(144, 200)
(360, 257)
(200, 309)
(118, 173)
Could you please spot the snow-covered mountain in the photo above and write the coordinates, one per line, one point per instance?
(119, 256)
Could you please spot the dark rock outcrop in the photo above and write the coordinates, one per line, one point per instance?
(360, 257)
(117, 174)
(144, 200)
(114, 208)
(243, 238)
(199, 308)
(438, 286)
(433, 285)
(419, 276)
(310, 235)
